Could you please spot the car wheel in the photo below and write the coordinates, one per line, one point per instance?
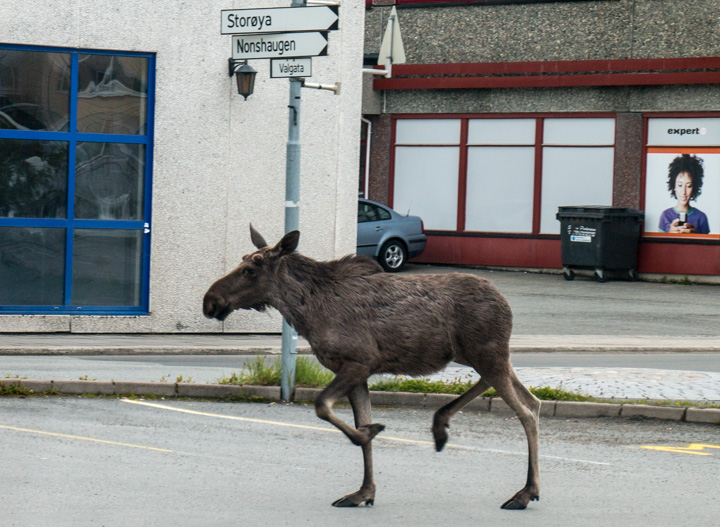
(392, 256)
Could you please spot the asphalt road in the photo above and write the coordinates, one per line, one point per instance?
(70, 461)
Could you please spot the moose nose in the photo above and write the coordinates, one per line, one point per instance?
(211, 306)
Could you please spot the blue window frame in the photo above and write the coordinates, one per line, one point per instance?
(76, 149)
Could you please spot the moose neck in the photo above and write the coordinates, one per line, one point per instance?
(307, 292)
(297, 278)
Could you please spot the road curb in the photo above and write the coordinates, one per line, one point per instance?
(564, 409)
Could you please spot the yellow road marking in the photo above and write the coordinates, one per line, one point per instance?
(693, 448)
(92, 439)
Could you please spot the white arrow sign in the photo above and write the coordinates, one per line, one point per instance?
(278, 19)
(279, 45)
(287, 68)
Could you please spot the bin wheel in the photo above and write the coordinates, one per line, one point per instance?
(569, 274)
(600, 275)
(632, 274)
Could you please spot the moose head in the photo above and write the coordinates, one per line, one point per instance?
(250, 285)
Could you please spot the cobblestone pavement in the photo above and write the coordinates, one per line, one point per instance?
(613, 383)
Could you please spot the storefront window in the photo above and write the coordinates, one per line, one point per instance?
(426, 181)
(577, 167)
(74, 180)
(492, 170)
(500, 175)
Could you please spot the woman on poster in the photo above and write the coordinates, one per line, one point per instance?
(685, 179)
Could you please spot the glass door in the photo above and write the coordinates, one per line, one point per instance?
(75, 166)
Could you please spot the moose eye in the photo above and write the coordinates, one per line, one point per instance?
(249, 273)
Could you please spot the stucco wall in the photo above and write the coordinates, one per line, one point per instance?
(219, 161)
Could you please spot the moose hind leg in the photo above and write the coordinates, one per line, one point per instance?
(441, 420)
(527, 408)
(360, 402)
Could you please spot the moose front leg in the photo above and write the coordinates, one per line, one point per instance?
(350, 376)
(360, 402)
(351, 380)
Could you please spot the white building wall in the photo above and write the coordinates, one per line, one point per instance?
(219, 161)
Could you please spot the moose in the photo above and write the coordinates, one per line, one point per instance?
(361, 321)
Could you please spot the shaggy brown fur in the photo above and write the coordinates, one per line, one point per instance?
(360, 321)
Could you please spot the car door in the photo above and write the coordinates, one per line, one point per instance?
(372, 221)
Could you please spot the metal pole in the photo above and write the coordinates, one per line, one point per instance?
(292, 216)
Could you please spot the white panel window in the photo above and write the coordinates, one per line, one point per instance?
(571, 131)
(500, 182)
(688, 131)
(426, 184)
(501, 131)
(574, 177)
(427, 132)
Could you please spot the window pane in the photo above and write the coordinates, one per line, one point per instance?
(34, 90)
(32, 266)
(106, 267)
(501, 132)
(579, 131)
(112, 96)
(500, 184)
(427, 131)
(574, 177)
(33, 179)
(109, 181)
(426, 184)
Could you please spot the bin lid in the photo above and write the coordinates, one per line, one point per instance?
(598, 211)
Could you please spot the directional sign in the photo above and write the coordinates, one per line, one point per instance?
(289, 68)
(278, 19)
(279, 45)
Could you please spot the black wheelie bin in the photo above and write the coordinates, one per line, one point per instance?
(599, 238)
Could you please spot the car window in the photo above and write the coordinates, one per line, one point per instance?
(368, 212)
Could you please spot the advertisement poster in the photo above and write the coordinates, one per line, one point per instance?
(682, 183)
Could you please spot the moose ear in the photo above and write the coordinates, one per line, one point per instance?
(256, 238)
(288, 243)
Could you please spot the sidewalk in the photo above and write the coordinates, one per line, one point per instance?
(239, 344)
(163, 364)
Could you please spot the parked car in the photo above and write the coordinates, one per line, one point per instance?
(388, 237)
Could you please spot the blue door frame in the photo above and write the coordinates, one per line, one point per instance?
(70, 223)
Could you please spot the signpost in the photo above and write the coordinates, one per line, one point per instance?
(300, 67)
(279, 45)
(278, 20)
(288, 36)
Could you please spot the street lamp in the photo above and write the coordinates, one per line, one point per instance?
(244, 75)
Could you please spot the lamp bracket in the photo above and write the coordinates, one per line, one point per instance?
(233, 65)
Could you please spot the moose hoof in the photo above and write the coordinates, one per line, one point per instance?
(513, 505)
(441, 436)
(519, 501)
(353, 500)
(368, 432)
